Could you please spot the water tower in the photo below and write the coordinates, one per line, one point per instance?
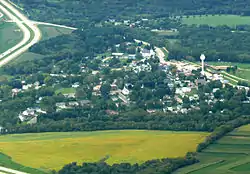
(202, 57)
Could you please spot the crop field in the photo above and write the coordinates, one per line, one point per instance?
(10, 35)
(231, 154)
(216, 20)
(53, 150)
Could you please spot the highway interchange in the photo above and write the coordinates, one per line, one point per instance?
(31, 33)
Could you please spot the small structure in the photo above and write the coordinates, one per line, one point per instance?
(202, 57)
(147, 53)
(117, 55)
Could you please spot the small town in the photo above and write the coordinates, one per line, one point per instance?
(124, 87)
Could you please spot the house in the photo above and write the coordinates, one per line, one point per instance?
(61, 105)
(113, 87)
(200, 82)
(117, 55)
(131, 56)
(84, 102)
(142, 67)
(2, 130)
(151, 111)
(111, 112)
(125, 91)
(73, 104)
(186, 89)
(70, 95)
(15, 92)
(28, 114)
(97, 88)
(75, 85)
(147, 53)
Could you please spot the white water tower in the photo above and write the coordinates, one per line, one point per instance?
(202, 57)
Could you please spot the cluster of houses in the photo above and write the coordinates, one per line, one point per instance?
(26, 87)
(30, 115)
(67, 105)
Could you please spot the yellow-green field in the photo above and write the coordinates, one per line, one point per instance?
(53, 150)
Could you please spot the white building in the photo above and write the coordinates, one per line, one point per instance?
(147, 53)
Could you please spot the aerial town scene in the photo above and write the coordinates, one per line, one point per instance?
(124, 87)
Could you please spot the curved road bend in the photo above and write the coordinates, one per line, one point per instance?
(26, 33)
(21, 47)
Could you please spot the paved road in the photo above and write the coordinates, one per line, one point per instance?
(25, 44)
(55, 25)
(4, 169)
(48, 24)
(26, 33)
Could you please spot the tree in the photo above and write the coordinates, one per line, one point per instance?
(105, 90)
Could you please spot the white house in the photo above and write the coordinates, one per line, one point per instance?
(147, 53)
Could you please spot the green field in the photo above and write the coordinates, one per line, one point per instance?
(50, 31)
(231, 154)
(53, 150)
(243, 68)
(47, 33)
(216, 20)
(10, 35)
(65, 91)
(239, 65)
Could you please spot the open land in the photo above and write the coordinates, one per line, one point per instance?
(243, 68)
(216, 20)
(134, 146)
(48, 32)
(10, 35)
(228, 155)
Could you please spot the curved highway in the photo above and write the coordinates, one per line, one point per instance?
(31, 33)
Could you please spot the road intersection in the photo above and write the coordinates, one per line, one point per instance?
(31, 33)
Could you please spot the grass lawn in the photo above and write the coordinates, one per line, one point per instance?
(242, 168)
(230, 20)
(239, 65)
(231, 154)
(27, 56)
(10, 35)
(50, 31)
(53, 150)
(166, 32)
(245, 74)
(65, 90)
(243, 68)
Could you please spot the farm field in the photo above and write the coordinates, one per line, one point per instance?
(230, 20)
(243, 68)
(10, 35)
(239, 65)
(228, 155)
(53, 150)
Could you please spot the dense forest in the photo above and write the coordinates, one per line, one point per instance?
(215, 42)
(76, 12)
